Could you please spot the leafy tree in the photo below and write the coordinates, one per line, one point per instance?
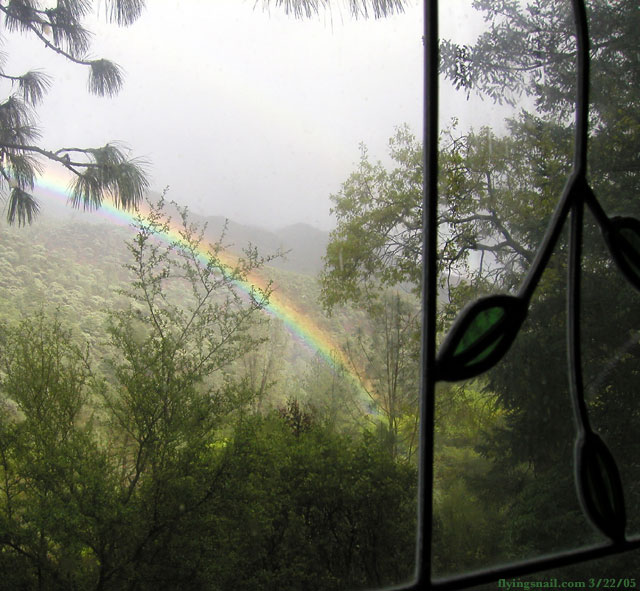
(531, 51)
(97, 172)
(187, 321)
(496, 197)
(469, 520)
(169, 403)
(496, 193)
(335, 396)
(379, 214)
(93, 501)
(55, 478)
(262, 366)
(322, 510)
(490, 187)
(385, 356)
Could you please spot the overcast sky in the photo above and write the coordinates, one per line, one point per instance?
(245, 113)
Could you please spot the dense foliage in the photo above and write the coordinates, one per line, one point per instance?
(154, 445)
(511, 474)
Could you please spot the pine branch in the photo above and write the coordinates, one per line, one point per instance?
(33, 85)
(20, 169)
(9, 148)
(105, 78)
(112, 174)
(125, 12)
(358, 8)
(16, 122)
(66, 31)
(19, 14)
(379, 8)
(108, 173)
(22, 207)
(76, 8)
(100, 172)
(36, 25)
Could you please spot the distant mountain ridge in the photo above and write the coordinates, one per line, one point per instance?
(304, 245)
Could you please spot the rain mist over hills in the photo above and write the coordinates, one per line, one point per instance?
(302, 246)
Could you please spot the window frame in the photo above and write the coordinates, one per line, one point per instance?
(424, 576)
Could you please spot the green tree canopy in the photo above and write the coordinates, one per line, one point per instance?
(531, 51)
(497, 192)
(495, 196)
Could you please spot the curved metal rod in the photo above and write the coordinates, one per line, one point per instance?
(576, 187)
(582, 98)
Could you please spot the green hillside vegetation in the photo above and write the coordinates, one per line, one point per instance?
(270, 453)
(160, 431)
(72, 268)
(130, 458)
(76, 268)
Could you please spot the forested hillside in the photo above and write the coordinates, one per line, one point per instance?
(160, 427)
(78, 267)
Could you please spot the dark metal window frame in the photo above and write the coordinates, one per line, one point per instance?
(576, 195)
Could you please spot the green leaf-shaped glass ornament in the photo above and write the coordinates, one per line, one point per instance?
(481, 335)
(599, 486)
(623, 239)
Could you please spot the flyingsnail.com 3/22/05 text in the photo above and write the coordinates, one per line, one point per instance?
(553, 583)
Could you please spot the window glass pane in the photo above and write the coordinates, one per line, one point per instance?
(611, 364)
(504, 488)
(504, 485)
(610, 317)
(172, 416)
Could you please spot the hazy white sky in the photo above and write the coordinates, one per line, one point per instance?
(246, 113)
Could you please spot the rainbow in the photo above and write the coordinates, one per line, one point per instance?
(304, 330)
